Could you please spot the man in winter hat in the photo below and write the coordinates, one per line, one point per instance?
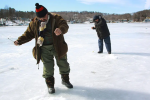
(48, 30)
(102, 33)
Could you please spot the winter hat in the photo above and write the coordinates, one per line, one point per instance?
(97, 17)
(41, 11)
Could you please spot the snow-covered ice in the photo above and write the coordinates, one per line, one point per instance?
(122, 75)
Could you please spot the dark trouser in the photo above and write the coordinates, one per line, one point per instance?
(107, 44)
(47, 54)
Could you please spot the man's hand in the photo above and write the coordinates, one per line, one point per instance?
(16, 43)
(57, 31)
(92, 27)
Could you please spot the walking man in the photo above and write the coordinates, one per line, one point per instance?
(102, 33)
(48, 30)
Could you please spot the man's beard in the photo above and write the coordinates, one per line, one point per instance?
(44, 20)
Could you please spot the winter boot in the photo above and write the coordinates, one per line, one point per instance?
(109, 52)
(65, 80)
(50, 84)
(100, 52)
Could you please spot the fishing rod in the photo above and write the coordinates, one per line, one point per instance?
(7, 38)
(10, 39)
(13, 40)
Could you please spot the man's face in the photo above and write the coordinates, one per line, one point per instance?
(44, 19)
(96, 20)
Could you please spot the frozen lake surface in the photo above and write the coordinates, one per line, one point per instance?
(122, 75)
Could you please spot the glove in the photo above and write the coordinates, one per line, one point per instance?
(43, 26)
(40, 41)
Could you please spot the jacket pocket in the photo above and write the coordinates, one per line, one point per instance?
(34, 52)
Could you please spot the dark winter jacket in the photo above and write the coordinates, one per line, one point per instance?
(58, 41)
(102, 28)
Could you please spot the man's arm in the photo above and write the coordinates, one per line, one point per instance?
(102, 22)
(93, 27)
(27, 36)
(62, 26)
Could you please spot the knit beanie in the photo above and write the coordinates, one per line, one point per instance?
(97, 17)
(41, 11)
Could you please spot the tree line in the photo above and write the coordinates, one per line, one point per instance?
(11, 13)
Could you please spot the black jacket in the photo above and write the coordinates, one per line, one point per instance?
(102, 28)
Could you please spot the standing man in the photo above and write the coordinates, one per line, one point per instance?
(48, 30)
(102, 33)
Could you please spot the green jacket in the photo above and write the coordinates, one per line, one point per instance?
(58, 41)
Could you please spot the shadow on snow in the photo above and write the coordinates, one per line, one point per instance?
(102, 94)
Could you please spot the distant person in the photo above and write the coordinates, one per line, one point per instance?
(48, 30)
(102, 33)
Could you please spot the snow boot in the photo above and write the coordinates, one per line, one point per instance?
(50, 84)
(65, 80)
(100, 52)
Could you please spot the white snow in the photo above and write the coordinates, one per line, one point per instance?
(123, 75)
